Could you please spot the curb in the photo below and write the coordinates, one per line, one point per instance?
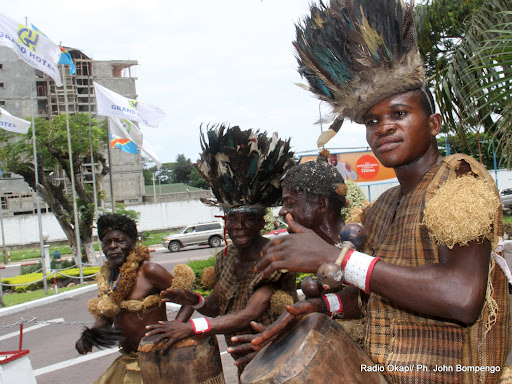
(47, 300)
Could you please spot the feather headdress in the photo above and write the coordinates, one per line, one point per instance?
(243, 167)
(355, 53)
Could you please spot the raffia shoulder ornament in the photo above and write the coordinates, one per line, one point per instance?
(355, 53)
(109, 305)
(462, 210)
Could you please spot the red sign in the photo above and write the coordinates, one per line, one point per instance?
(367, 167)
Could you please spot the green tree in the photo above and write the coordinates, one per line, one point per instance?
(182, 169)
(196, 180)
(467, 45)
(16, 155)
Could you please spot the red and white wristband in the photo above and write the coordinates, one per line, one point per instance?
(200, 302)
(333, 303)
(358, 268)
(200, 325)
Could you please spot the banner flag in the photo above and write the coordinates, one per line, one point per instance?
(13, 124)
(124, 145)
(128, 130)
(114, 105)
(65, 58)
(32, 47)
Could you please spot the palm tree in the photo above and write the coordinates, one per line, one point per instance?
(470, 68)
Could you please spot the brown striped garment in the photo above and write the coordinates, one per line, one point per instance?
(395, 337)
(235, 293)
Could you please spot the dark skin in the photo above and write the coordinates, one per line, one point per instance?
(314, 212)
(402, 136)
(244, 230)
(151, 279)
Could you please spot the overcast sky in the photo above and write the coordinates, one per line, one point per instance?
(201, 61)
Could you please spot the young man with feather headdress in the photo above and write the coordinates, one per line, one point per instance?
(244, 169)
(432, 283)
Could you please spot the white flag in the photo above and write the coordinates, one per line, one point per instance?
(114, 105)
(32, 47)
(128, 130)
(13, 124)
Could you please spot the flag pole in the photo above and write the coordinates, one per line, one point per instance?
(72, 176)
(6, 260)
(36, 181)
(92, 161)
(110, 167)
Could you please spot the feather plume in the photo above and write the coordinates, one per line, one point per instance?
(243, 167)
(355, 53)
(101, 337)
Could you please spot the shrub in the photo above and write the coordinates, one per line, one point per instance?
(355, 197)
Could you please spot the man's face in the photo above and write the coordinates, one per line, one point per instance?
(116, 246)
(398, 130)
(302, 208)
(244, 228)
(333, 159)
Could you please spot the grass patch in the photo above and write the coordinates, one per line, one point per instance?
(20, 298)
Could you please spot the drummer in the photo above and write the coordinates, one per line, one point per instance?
(240, 295)
(430, 289)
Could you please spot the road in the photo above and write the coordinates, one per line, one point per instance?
(52, 353)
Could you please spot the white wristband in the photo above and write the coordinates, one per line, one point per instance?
(200, 325)
(333, 303)
(200, 303)
(358, 268)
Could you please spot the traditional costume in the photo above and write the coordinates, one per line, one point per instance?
(244, 169)
(354, 54)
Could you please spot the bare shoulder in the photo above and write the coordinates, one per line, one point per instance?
(152, 271)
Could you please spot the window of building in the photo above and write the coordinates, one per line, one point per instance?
(1, 66)
(2, 102)
(2, 85)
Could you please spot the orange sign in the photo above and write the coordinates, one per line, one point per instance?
(360, 166)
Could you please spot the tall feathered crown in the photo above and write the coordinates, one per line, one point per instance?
(355, 53)
(243, 167)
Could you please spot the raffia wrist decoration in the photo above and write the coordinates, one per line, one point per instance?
(209, 278)
(463, 210)
(184, 277)
(108, 305)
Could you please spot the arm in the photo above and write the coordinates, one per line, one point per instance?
(452, 289)
(156, 275)
(233, 322)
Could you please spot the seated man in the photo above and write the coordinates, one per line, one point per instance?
(128, 298)
(240, 295)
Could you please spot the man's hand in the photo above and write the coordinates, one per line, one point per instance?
(301, 251)
(79, 346)
(173, 331)
(266, 334)
(179, 296)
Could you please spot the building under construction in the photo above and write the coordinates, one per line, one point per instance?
(24, 89)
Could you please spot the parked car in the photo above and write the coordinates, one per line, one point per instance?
(197, 234)
(280, 229)
(506, 197)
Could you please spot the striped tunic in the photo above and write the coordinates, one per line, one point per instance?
(398, 337)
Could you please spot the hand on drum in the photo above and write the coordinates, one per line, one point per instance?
(173, 331)
(301, 251)
(267, 334)
(179, 296)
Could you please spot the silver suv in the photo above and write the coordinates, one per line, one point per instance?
(197, 234)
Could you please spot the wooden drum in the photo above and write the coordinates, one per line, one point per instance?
(195, 360)
(316, 350)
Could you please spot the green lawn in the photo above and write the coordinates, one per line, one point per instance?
(20, 298)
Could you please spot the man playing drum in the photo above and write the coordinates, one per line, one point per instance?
(244, 169)
(128, 298)
(430, 287)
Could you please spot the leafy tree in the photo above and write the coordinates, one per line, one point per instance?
(16, 155)
(468, 48)
(182, 169)
(196, 180)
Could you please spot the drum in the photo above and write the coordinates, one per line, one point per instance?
(316, 350)
(195, 360)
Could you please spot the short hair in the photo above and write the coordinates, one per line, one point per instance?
(317, 178)
(112, 221)
(426, 100)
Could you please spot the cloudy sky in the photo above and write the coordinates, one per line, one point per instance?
(201, 61)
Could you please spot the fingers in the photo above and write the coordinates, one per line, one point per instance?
(257, 327)
(293, 225)
(242, 338)
(246, 359)
(241, 348)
